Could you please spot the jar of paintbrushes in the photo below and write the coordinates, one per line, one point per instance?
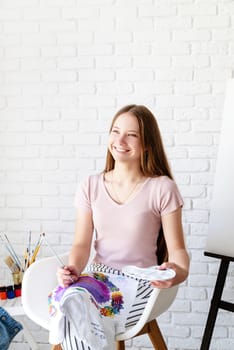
(18, 266)
(14, 289)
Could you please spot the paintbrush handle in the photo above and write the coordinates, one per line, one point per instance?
(33, 258)
(13, 253)
(61, 263)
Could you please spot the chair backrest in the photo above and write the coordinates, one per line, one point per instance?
(38, 281)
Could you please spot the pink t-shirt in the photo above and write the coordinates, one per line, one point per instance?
(126, 234)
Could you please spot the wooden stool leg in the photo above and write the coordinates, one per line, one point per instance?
(120, 345)
(156, 336)
(56, 347)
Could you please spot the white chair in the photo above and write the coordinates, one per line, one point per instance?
(40, 279)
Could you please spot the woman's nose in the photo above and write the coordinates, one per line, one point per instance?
(121, 138)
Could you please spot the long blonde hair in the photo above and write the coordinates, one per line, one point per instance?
(153, 160)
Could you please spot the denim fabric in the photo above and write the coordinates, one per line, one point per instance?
(9, 327)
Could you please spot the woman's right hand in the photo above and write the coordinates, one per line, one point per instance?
(67, 275)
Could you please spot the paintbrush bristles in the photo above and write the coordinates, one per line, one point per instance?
(11, 264)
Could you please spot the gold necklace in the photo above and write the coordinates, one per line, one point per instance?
(128, 194)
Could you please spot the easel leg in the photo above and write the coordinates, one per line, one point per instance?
(215, 304)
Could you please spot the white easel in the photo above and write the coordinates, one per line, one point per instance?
(220, 242)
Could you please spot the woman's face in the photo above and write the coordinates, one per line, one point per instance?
(124, 139)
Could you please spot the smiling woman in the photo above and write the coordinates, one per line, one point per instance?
(125, 207)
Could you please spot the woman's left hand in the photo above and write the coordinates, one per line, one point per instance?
(180, 276)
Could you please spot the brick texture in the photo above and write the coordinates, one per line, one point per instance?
(66, 66)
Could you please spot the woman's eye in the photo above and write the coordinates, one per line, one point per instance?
(114, 131)
(134, 135)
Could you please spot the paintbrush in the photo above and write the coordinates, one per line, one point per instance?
(37, 248)
(29, 244)
(61, 263)
(12, 264)
(12, 251)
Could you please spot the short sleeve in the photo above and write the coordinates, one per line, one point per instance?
(170, 197)
(82, 196)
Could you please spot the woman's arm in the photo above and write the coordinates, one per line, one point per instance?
(178, 258)
(80, 250)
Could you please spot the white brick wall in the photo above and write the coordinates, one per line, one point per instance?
(65, 67)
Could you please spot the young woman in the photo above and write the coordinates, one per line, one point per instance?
(125, 207)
